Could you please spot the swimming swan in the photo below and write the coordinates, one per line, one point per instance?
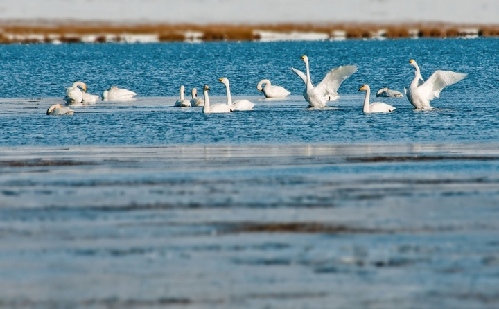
(271, 91)
(389, 93)
(238, 105)
(195, 100)
(58, 109)
(327, 89)
(182, 102)
(420, 95)
(118, 94)
(376, 107)
(217, 108)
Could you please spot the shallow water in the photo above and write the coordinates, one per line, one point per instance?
(143, 205)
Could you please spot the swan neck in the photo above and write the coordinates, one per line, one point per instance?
(181, 94)
(366, 101)
(206, 107)
(229, 96)
(307, 69)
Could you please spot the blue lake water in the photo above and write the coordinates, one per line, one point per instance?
(143, 205)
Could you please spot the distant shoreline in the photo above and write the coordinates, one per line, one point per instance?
(55, 32)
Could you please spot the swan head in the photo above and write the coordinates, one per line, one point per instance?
(224, 80)
(364, 88)
(304, 58)
(81, 85)
(206, 88)
(194, 92)
(50, 110)
(413, 63)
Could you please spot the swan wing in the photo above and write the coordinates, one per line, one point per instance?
(242, 105)
(438, 81)
(333, 79)
(89, 98)
(275, 92)
(300, 74)
(220, 108)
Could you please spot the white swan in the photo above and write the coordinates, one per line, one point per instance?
(212, 109)
(420, 95)
(182, 102)
(74, 95)
(376, 107)
(77, 94)
(272, 91)
(58, 109)
(118, 94)
(195, 100)
(389, 93)
(238, 105)
(327, 89)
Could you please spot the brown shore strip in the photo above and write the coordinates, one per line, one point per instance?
(98, 32)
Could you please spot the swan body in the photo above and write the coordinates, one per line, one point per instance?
(118, 94)
(195, 100)
(272, 91)
(238, 105)
(389, 93)
(58, 109)
(420, 94)
(213, 109)
(327, 89)
(376, 107)
(182, 102)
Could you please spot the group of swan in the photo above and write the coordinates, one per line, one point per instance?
(229, 106)
(77, 95)
(419, 94)
(194, 101)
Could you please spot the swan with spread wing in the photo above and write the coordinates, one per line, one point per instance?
(327, 89)
(421, 93)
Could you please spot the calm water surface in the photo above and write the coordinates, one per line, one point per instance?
(143, 205)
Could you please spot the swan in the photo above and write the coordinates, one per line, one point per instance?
(182, 102)
(58, 109)
(377, 107)
(327, 89)
(271, 91)
(420, 95)
(217, 108)
(118, 94)
(238, 105)
(74, 95)
(195, 100)
(389, 93)
(77, 94)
